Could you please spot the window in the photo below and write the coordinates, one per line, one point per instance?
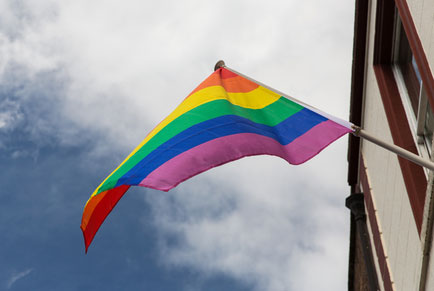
(411, 89)
(403, 94)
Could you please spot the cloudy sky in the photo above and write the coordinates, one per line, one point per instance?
(83, 82)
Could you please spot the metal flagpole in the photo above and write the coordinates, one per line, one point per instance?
(394, 148)
(357, 130)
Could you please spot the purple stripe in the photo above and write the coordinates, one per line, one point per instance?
(232, 147)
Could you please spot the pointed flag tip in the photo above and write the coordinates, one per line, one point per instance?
(86, 244)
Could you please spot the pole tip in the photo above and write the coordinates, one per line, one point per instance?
(219, 64)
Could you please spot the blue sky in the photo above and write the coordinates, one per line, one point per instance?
(81, 84)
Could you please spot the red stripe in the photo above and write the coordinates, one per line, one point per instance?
(226, 74)
(97, 209)
(230, 81)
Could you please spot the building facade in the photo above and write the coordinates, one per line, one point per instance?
(392, 97)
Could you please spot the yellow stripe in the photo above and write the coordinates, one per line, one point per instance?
(255, 99)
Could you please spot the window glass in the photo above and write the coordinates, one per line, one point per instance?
(407, 65)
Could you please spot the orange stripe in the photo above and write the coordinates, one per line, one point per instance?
(90, 207)
(238, 85)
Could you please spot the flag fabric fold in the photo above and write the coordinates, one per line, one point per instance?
(225, 118)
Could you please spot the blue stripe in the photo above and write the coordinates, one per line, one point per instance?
(285, 132)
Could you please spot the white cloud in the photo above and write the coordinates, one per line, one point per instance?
(5, 118)
(17, 276)
(124, 67)
(120, 57)
(10, 114)
(265, 225)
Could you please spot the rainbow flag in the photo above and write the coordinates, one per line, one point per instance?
(225, 118)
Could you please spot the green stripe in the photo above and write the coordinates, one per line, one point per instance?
(270, 115)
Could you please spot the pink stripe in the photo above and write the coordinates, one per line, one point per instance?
(229, 148)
